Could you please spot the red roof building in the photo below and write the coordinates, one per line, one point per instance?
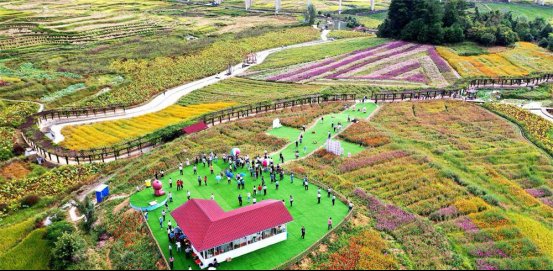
(216, 234)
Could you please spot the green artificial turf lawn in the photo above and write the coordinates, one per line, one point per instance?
(350, 148)
(306, 212)
(285, 132)
(316, 136)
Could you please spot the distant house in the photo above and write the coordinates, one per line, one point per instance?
(216, 234)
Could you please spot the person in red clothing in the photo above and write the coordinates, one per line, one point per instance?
(205, 180)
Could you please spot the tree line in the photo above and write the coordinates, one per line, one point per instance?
(452, 21)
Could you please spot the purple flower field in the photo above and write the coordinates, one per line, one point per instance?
(393, 61)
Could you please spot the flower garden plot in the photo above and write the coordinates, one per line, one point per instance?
(108, 133)
(522, 60)
(315, 137)
(306, 212)
(447, 161)
(392, 63)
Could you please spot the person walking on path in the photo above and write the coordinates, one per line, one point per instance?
(350, 206)
(146, 216)
(302, 232)
(330, 223)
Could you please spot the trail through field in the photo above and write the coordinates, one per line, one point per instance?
(168, 97)
(317, 134)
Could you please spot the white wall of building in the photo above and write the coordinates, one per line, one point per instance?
(244, 250)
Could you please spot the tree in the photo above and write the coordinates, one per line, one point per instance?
(487, 39)
(87, 209)
(454, 34)
(68, 249)
(310, 14)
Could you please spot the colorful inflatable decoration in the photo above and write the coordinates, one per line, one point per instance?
(158, 188)
(235, 152)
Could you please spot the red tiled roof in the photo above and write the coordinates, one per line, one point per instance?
(196, 127)
(207, 226)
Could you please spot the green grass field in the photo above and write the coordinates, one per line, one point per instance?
(306, 212)
(316, 136)
(529, 11)
(32, 253)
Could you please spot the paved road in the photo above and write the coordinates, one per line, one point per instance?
(170, 96)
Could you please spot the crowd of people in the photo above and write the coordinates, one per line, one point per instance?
(258, 167)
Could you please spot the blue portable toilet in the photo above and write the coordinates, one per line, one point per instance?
(102, 192)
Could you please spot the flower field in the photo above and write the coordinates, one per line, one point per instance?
(537, 128)
(59, 181)
(246, 91)
(522, 60)
(150, 77)
(101, 134)
(393, 63)
(7, 141)
(453, 163)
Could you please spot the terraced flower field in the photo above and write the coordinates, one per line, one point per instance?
(393, 63)
(108, 133)
(246, 91)
(522, 60)
(465, 169)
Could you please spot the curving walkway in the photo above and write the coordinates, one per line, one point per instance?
(168, 97)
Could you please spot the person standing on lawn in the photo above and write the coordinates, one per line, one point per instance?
(181, 169)
(146, 215)
(212, 196)
(265, 190)
(240, 200)
(161, 222)
(254, 201)
(254, 191)
(188, 194)
(249, 197)
(291, 177)
(211, 169)
(199, 180)
(333, 200)
(330, 223)
(319, 197)
(281, 158)
(302, 232)
(163, 214)
(195, 170)
(276, 183)
(170, 196)
(205, 180)
(170, 183)
(329, 191)
(291, 201)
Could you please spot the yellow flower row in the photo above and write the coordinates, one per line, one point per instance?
(108, 133)
(522, 60)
